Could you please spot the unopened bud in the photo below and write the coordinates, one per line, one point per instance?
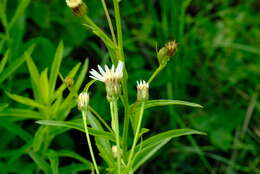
(116, 152)
(166, 52)
(68, 81)
(78, 7)
(142, 91)
(83, 101)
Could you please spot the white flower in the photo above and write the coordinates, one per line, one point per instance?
(142, 90)
(107, 74)
(83, 100)
(142, 84)
(111, 78)
(73, 3)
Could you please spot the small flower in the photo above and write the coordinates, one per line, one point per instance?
(83, 101)
(142, 90)
(111, 77)
(166, 52)
(78, 7)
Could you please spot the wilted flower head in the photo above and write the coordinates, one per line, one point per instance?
(83, 101)
(142, 90)
(166, 52)
(68, 81)
(78, 7)
(111, 77)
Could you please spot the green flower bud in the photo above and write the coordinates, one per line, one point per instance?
(166, 52)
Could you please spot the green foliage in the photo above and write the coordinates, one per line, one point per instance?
(216, 64)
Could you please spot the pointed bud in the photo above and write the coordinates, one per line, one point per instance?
(166, 52)
(83, 101)
(116, 152)
(78, 7)
(142, 91)
(68, 81)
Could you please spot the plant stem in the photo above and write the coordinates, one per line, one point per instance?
(136, 137)
(101, 34)
(115, 127)
(156, 72)
(120, 54)
(84, 117)
(119, 29)
(109, 21)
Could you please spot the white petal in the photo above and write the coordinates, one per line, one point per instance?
(113, 69)
(96, 74)
(107, 69)
(101, 70)
(119, 68)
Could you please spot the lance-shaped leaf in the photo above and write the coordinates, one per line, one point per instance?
(79, 126)
(146, 149)
(154, 103)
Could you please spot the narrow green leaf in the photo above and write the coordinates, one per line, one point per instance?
(71, 154)
(54, 161)
(21, 113)
(25, 100)
(81, 76)
(13, 66)
(38, 159)
(150, 146)
(44, 86)
(16, 130)
(19, 12)
(4, 60)
(154, 103)
(79, 126)
(35, 76)
(146, 153)
(56, 67)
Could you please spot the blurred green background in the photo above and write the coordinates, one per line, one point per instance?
(217, 65)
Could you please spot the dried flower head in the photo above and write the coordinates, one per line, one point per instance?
(111, 77)
(142, 90)
(78, 7)
(83, 101)
(166, 52)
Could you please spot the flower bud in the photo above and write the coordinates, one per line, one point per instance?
(142, 91)
(78, 7)
(166, 52)
(68, 81)
(116, 152)
(83, 101)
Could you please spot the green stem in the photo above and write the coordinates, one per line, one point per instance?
(156, 72)
(120, 54)
(101, 34)
(119, 29)
(109, 21)
(84, 117)
(136, 137)
(115, 127)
